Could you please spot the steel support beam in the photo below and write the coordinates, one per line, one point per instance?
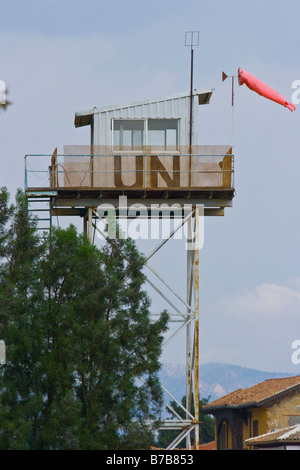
(189, 321)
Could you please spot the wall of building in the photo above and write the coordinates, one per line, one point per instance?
(284, 413)
(281, 414)
(255, 414)
(261, 415)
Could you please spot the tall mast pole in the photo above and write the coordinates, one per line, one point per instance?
(192, 363)
(191, 40)
(191, 99)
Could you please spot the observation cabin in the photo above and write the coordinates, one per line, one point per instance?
(146, 151)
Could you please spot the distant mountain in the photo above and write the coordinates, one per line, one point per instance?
(216, 379)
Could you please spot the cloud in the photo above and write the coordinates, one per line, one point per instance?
(267, 300)
(255, 328)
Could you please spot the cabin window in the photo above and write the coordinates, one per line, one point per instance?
(132, 133)
(128, 133)
(163, 132)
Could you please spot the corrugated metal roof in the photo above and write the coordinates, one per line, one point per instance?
(84, 118)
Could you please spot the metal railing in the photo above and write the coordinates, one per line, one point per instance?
(121, 171)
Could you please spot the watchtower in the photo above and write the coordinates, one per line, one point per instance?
(140, 159)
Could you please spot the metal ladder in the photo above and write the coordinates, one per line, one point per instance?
(40, 210)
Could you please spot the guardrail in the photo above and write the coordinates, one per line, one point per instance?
(121, 171)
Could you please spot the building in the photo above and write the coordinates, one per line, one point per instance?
(269, 406)
(283, 439)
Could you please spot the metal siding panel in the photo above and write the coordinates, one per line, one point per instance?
(138, 112)
(172, 108)
(102, 131)
(160, 110)
(196, 124)
(175, 109)
(181, 132)
(131, 112)
(168, 109)
(105, 128)
(183, 114)
(97, 130)
(150, 110)
(145, 111)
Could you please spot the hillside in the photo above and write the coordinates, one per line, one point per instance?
(216, 379)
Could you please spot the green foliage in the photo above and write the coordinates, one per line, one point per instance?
(76, 324)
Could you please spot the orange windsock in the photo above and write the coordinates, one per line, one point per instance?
(262, 89)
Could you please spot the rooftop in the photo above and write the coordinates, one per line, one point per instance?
(256, 395)
(208, 446)
(290, 434)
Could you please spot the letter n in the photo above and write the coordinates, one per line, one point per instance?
(158, 168)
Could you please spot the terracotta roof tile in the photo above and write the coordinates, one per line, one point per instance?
(289, 434)
(256, 393)
(208, 446)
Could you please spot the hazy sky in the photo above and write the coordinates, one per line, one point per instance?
(63, 56)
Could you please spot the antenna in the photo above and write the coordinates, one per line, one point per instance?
(224, 76)
(191, 40)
